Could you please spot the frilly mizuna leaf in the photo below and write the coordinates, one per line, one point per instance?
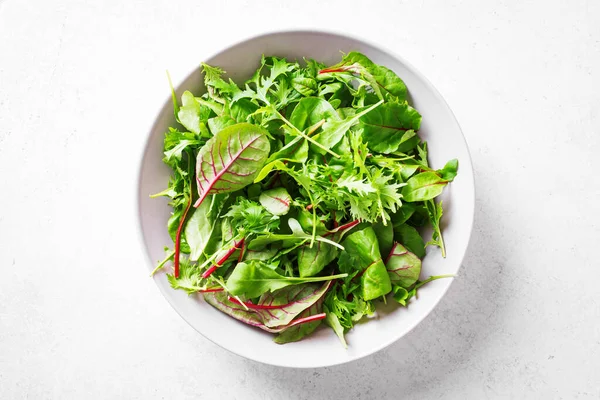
(231, 159)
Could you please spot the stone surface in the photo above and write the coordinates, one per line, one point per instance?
(80, 83)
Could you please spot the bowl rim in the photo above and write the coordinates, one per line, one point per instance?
(331, 32)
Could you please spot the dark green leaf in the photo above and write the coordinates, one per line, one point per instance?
(411, 239)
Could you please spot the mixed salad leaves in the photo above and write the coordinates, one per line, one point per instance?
(297, 198)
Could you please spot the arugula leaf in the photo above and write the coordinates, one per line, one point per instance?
(435, 212)
(253, 278)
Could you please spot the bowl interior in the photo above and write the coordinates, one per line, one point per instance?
(439, 127)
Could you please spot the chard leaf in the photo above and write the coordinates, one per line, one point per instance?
(388, 126)
(423, 186)
(277, 201)
(282, 306)
(403, 266)
(231, 159)
(299, 331)
(252, 279)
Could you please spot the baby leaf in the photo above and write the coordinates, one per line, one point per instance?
(305, 86)
(282, 306)
(449, 171)
(385, 236)
(332, 320)
(375, 281)
(231, 159)
(362, 249)
(299, 331)
(334, 129)
(410, 238)
(253, 278)
(435, 212)
(312, 260)
(189, 112)
(403, 266)
(276, 201)
(199, 228)
(385, 83)
(311, 110)
(423, 186)
(388, 126)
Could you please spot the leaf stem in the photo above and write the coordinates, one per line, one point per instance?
(222, 260)
(163, 262)
(431, 278)
(305, 136)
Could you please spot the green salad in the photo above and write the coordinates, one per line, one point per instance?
(298, 197)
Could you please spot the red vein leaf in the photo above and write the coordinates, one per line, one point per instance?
(231, 159)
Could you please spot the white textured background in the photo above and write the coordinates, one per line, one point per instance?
(80, 82)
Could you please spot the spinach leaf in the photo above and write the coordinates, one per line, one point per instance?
(423, 186)
(389, 126)
(410, 238)
(312, 260)
(254, 278)
(362, 248)
(385, 236)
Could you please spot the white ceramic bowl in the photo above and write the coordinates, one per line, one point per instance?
(439, 127)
